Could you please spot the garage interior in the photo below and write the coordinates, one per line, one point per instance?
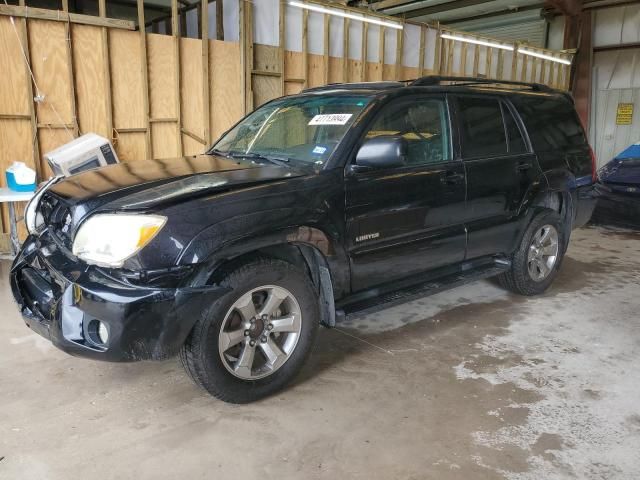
(473, 382)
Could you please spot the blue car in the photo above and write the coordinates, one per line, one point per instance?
(619, 190)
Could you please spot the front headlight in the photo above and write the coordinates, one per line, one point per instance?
(109, 239)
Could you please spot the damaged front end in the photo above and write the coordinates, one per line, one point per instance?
(87, 311)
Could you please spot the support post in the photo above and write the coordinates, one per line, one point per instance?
(204, 27)
(24, 39)
(145, 78)
(175, 32)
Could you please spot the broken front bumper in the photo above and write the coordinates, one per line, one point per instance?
(62, 299)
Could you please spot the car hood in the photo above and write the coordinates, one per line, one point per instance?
(150, 183)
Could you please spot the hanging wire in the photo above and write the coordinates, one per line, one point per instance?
(39, 96)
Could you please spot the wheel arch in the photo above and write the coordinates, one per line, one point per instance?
(309, 248)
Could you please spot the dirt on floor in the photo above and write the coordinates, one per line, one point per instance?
(472, 383)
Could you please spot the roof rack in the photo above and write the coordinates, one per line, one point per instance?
(437, 80)
(355, 86)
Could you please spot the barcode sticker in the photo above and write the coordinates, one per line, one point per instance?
(331, 119)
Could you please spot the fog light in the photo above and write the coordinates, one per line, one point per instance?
(103, 333)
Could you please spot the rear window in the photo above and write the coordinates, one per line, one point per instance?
(481, 127)
(552, 123)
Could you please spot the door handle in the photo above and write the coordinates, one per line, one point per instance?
(524, 166)
(450, 177)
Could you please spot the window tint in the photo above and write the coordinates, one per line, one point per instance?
(514, 135)
(552, 123)
(481, 127)
(423, 123)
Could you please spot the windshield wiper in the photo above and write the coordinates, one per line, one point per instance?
(281, 161)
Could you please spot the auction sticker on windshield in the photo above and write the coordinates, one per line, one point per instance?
(331, 119)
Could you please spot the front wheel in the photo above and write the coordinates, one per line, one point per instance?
(254, 339)
(536, 261)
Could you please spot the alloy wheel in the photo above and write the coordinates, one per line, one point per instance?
(543, 253)
(260, 332)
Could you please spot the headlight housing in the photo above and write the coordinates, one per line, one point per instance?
(32, 216)
(110, 239)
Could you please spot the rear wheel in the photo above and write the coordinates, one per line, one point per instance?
(254, 339)
(535, 264)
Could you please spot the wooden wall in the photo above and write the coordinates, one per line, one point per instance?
(98, 84)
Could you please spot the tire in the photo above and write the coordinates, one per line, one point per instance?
(234, 374)
(524, 276)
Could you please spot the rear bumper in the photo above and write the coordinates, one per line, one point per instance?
(61, 300)
(586, 198)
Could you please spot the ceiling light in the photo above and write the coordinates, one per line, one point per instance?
(543, 56)
(339, 13)
(477, 41)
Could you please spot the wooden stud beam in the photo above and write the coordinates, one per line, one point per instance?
(175, 33)
(204, 27)
(381, 40)
(32, 116)
(305, 47)
(363, 52)
(197, 138)
(281, 44)
(145, 79)
(60, 16)
(345, 49)
(325, 50)
(399, 51)
(72, 76)
(102, 11)
(421, 52)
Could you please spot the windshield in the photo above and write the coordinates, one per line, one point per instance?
(300, 128)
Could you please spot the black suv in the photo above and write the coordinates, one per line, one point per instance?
(333, 202)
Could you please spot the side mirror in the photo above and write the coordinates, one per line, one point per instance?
(385, 151)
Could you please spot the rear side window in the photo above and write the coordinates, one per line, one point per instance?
(514, 135)
(481, 127)
(552, 123)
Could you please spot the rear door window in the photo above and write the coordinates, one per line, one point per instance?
(552, 123)
(481, 127)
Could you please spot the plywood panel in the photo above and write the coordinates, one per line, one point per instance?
(126, 79)
(50, 65)
(265, 89)
(164, 140)
(162, 82)
(336, 70)
(293, 65)
(130, 146)
(90, 82)
(316, 70)
(191, 100)
(14, 96)
(226, 86)
(374, 71)
(354, 69)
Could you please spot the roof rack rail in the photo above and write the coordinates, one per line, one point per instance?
(355, 86)
(438, 79)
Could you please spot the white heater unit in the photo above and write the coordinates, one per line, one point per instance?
(84, 153)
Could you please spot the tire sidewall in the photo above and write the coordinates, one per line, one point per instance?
(216, 377)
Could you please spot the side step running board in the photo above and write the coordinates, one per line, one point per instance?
(366, 306)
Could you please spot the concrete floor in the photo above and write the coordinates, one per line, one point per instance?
(473, 383)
